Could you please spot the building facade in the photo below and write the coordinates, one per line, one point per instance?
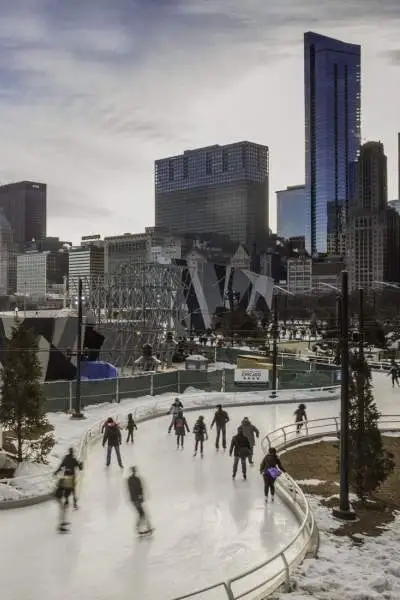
(299, 275)
(40, 274)
(218, 189)
(291, 212)
(332, 76)
(8, 258)
(373, 232)
(25, 207)
(87, 263)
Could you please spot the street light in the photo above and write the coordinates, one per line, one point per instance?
(77, 414)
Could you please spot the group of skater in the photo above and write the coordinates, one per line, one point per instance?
(241, 449)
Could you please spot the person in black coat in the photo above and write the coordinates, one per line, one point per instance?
(268, 469)
(300, 416)
(112, 436)
(181, 427)
(241, 449)
(136, 493)
(131, 426)
(221, 418)
(200, 433)
(70, 466)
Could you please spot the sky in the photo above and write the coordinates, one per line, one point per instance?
(93, 91)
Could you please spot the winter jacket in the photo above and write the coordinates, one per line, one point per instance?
(175, 407)
(180, 425)
(300, 415)
(220, 419)
(135, 488)
(69, 465)
(131, 425)
(200, 431)
(240, 446)
(112, 435)
(250, 431)
(270, 460)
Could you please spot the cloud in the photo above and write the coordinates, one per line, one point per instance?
(393, 56)
(93, 92)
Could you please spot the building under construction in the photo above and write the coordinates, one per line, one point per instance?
(137, 306)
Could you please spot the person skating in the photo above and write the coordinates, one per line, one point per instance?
(63, 491)
(394, 373)
(221, 418)
(241, 449)
(181, 427)
(270, 468)
(251, 432)
(200, 432)
(70, 465)
(131, 426)
(136, 493)
(300, 417)
(176, 406)
(112, 436)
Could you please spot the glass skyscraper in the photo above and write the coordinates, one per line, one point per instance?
(290, 212)
(332, 77)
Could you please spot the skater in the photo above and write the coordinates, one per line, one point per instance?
(394, 372)
(221, 418)
(112, 435)
(200, 432)
(181, 427)
(104, 426)
(271, 468)
(300, 417)
(251, 432)
(136, 493)
(70, 466)
(62, 494)
(176, 406)
(130, 427)
(240, 448)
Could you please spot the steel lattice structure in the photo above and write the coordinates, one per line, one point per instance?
(137, 305)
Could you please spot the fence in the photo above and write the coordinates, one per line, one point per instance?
(60, 394)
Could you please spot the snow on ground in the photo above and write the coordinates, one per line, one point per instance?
(344, 570)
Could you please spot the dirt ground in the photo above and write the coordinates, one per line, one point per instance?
(319, 461)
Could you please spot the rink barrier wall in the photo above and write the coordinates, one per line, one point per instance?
(45, 482)
(60, 394)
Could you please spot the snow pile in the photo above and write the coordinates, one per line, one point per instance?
(7, 492)
(348, 571)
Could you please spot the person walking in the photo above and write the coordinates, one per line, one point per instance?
(270, 468)
(200, 432)
(112, 436)
(221, 418)
(181, 427)
(176, 407)
(300, 417)
(240, 448)
(251, 432)
(70, 466)
(136, 493)
(63, 491)
(131, 426)
(394, 373)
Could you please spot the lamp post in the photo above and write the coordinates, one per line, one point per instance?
(275, 333)
(77, 414)
(344, 512)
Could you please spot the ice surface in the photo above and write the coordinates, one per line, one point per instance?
(208, 528)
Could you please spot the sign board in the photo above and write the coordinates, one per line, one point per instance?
(251, 375)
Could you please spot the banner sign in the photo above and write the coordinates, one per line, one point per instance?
(251, 375)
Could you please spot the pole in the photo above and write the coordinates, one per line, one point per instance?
(361, 376)
(344, 511)
(274, 346)
(77, 414)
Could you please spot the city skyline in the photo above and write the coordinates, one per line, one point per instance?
(92, 96)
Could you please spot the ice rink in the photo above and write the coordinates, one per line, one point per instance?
(208, 528)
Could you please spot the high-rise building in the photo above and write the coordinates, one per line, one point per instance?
(40, 274)
(332, 77)
(218, 189)
(291, 212)
(25, 206)
(86, 262)
(8, 258)
(373, 228)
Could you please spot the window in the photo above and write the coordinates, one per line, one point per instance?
(225, 160)
(185, 167)
(209, 163)
(171, 170)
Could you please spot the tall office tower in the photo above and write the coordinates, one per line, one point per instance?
(373, 229)
(332, 80)
(291, 212)
(8, 258)
(398, 166)
(218, 189)
(25, 207)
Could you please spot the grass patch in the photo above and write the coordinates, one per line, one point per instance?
(319, 461)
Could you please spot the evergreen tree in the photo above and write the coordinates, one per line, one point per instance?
(22, 406)
(370, 464)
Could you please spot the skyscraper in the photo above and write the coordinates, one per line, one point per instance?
(218, 189)
(291, 212)
(25, 206)
(332, 77)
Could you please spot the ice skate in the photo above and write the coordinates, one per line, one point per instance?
(146, 531)
(63, 528)
(194, 454)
